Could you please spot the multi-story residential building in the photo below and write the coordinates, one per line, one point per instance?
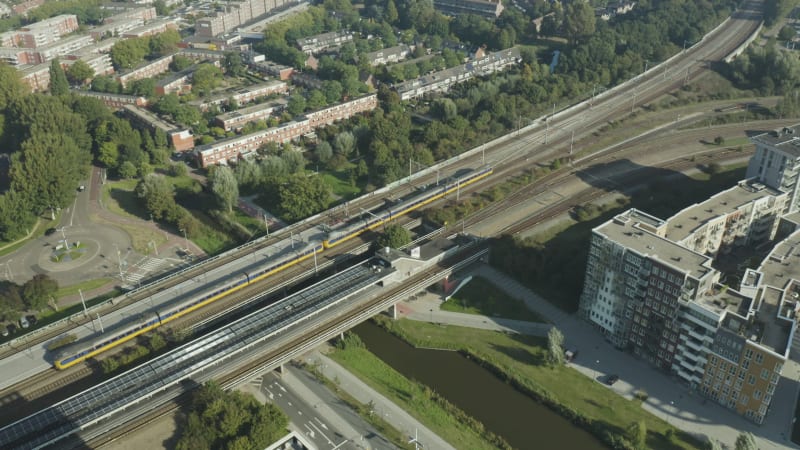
(46, 31)
(225, 150)
(243, 95)
(23, 8)
(312, 45)
(124, 10)
(273, 69)
(236, 120)
(235, 13)
(776, 162)
(43, 54)
(115, 28)
(202, 54)
(147, 70)
(177, 83)
(442, 80)
(117, 101)
(388, 55)
(746, 214)
(180, 139)
(152, 27)
(485, 8)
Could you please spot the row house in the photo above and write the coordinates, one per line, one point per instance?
(36, 77)
(180, 139)
(388, 55)
(243, 95)
(116, 101)
(236, 120)
(149, 69)
(442, 80)
(486, 8)
(129, 11)
(312, 45)
(232, 149)
(202, 54)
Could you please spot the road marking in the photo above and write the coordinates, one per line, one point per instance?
(280, 387)
(289, 403)
(310, 431)
(320, 422)
(321, 433)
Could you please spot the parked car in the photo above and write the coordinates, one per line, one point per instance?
(49, 231)
(611, 379)
(11, 328)
(23, 322)
(32, 319)
(81, 188)
(4, 331)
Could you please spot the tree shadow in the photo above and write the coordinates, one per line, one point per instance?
(521, 355)
(128, 202)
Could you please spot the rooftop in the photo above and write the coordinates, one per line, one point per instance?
(685, 222)
(783, 263)
(278, 103)
(630, 229)
(786, 139)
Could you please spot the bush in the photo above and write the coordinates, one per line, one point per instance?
(61, 342)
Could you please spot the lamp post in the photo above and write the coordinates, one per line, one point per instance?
(185, 239)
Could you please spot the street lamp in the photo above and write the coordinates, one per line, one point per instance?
(185, 239)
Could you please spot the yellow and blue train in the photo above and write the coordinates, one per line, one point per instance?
(85, 349)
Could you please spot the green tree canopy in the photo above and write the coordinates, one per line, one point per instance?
(58, 79)
(555, 346)
(302, 196)
(223, 185)
(157, 194)
(746, 441)
(37, 291)
(230, 420)
(637, 435)
(80, 72)
(394, 236)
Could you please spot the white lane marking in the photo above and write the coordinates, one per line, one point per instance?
(320, 422)
(310, 431)
(321, 433)
(280, 387)
(290, 403)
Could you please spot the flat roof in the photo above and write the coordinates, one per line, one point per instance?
(786, 139)
(627, 230)
(251, 109)
(783, 263)
(685, 222)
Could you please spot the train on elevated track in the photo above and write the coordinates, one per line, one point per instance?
(88, 348)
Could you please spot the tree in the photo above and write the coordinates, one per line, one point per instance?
(157, 194)
(80, 72)
(230, 420)
(108, 154)
(302, 196)
(344, 143)
(206, 77)
(394, 236)
(37, 291)
(332, 90)
(180, 62)
(323, 152)
(127, 170)
(58, 79)
(555, 346)
(296, 105)
(233, 64)
(579, 21)
(223, 185)
(745, 441)
(127, 53)
(637, 435)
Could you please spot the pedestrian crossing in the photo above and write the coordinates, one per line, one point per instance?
(144, 268)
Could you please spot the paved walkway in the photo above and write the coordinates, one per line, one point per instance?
(668, 398)
(364, 394)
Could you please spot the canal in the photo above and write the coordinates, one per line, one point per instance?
(523, 422)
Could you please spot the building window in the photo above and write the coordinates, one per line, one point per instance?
(748, 353)
(764, 374)
(751, 380)
(757, 395)
(744, 400)
(759, 358)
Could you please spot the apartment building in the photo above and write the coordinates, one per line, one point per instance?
(776, 162)
(177, 83)
(234, 14)
(24, 56)
(117, 101)
(441, 81)
(149, 69)
(225, 150)
(485, 8)
(236, 120)
(180, 139)
(152, 27)
(662, 301)
(116, 27)
(244, 95)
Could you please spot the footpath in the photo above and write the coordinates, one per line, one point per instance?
(390, 412)
(667, 399)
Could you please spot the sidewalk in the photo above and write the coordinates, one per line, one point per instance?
(392, 413)
(668, 399)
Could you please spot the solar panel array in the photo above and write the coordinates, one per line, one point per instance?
(70, 415)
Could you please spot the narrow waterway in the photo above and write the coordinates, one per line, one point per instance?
(523, 422)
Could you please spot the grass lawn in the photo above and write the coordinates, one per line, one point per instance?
(84, 286)
(523, 358)
(411, 396)
(118, 198)
(340, 184)
(479, 296)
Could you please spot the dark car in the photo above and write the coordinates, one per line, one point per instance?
(11, 328)
(31, 319)
(49, 231)
(611, 379)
